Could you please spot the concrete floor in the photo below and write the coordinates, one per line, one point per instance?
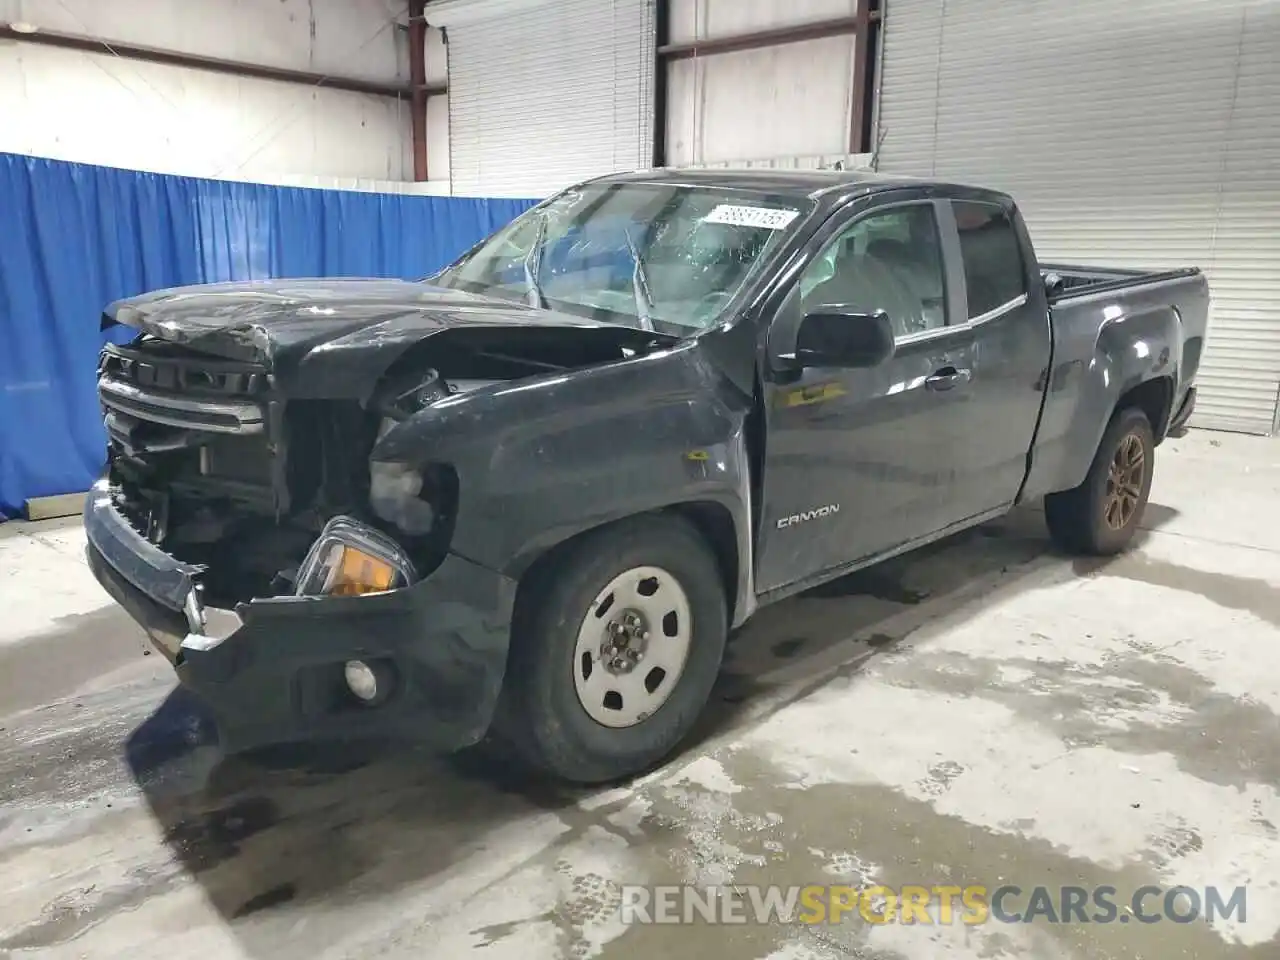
(985, 711)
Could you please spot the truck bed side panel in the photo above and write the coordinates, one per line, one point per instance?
(1105, 344)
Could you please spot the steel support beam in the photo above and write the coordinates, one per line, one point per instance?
(799, 33)
(859, 83)
(661, 83)
(418, 81)
(235, 68)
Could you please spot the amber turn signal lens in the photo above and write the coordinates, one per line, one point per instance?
(350, 559)
(357, 572)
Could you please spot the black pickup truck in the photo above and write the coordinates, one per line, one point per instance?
(535, 492)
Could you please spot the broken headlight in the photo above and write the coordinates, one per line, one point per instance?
(396, 494)
(350, 558)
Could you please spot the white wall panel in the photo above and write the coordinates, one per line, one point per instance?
(544, 93)
(773, 102)
(433, 188)
(97, 108)
(437, 139)
(698, 19)
(1141, 134)
(437, 63)
(344, 37)
(776, 101)
(825, 161)
(436, 56)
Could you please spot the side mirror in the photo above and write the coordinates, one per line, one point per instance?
(842, 337)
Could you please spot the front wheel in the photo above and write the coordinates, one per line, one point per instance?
(1102, 515)
(616, 646)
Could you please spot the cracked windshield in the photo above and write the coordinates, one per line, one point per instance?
(656, 257)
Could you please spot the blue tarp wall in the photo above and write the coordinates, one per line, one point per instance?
(75, 237)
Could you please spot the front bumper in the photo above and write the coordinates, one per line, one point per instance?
(276, 675)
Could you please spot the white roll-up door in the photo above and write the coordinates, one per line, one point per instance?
(1139, 134)
(544, 93)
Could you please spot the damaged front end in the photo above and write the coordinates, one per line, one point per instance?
(371, 653)
(301, 583)
(330, 609)
(236, 467)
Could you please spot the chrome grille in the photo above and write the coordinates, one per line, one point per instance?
(171, 410)
(156, 364)
(159, 382)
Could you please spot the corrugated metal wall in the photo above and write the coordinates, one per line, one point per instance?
(544, 94)
(1137, 134)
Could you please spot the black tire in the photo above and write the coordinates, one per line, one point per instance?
(541, 714)
(1078, 519)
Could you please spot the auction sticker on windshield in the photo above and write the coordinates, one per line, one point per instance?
(744, 216)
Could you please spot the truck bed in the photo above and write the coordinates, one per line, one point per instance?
(1109, 327)
(1073, 280)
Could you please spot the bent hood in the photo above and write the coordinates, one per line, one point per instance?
(334, 338)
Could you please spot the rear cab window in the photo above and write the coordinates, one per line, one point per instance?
(994, 270)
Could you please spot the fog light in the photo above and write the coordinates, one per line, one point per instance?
(363, 680)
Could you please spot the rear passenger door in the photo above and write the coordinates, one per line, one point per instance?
(1011, 345)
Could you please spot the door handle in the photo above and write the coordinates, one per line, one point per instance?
(946, 378)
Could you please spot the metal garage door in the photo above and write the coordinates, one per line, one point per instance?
(1142, 133)
(543, 93)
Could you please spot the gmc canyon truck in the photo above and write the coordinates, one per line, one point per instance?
(532, 494)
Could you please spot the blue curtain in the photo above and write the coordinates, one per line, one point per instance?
(75, 237)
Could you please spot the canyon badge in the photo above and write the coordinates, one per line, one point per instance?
(817, 513)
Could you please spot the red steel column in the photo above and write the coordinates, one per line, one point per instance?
(418, 81)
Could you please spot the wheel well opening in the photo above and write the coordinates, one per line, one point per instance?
(714, 522)
(1154, 398)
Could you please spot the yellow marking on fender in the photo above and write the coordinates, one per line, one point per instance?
(818, 393)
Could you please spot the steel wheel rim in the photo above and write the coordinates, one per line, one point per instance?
(632, 647)
(1125, 478)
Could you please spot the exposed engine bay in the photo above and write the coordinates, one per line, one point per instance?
(218, 465)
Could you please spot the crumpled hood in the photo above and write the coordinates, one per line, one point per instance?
(346, 330)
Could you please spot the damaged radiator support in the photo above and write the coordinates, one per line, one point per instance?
(209, 463)
(187, 422)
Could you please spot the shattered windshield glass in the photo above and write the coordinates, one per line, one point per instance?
(653, 256)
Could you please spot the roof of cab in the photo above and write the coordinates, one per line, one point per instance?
(814, 184)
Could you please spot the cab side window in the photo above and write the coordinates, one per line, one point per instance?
(890, 260)
(994, 272)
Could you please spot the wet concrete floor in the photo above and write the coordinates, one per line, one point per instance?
(985, 712)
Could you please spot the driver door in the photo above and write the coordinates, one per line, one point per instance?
(858, 461)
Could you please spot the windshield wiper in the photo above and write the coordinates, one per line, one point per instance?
(533, 265)
(640, 283)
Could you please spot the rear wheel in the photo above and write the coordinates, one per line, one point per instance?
(1102, 515)
(615, 649)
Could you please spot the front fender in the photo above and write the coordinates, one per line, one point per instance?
(541, 460)
(1095, 364)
